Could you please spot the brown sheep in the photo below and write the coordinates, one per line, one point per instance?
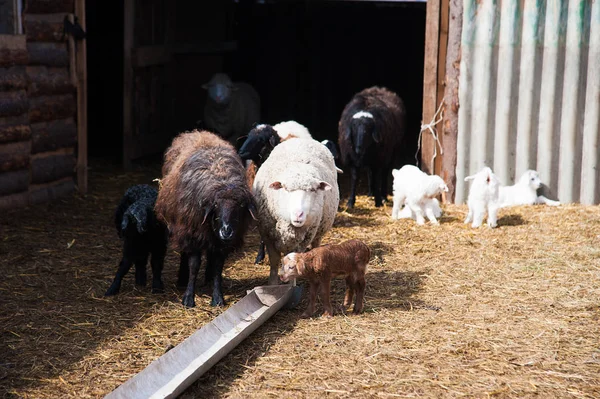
(206, 203)
(319, 265)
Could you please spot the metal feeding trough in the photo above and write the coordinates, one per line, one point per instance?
(170, 374)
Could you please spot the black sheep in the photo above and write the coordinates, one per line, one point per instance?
(207, 205)
(143, 235)
(370, 131)
(258, 145)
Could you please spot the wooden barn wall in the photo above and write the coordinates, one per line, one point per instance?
(38, 107)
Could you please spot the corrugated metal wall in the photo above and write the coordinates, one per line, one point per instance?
(530, 94)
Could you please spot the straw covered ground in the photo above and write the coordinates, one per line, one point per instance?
(451, 311)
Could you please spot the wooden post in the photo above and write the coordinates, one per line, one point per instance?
(430, 74)
(452, 103)
(128, 32)
(82, 139)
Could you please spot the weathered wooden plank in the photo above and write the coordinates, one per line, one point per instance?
(82, 137)
(14, 182)
(48, 81)
(14, 200)
(51, 191)
(12, 133)
(49, 6)
(49, 54)
(451, 102)
(432, 29)
(50, 136)
(14, 156)
(52, 167)
(13, 50)
(13, 103)
(49, 108)
(13, 78)
(44, 27)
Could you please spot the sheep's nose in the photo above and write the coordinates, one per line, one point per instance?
(299, 215)
(226, 232)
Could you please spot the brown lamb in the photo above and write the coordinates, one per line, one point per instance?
(319, 265)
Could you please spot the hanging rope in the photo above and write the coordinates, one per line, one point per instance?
(431, 127)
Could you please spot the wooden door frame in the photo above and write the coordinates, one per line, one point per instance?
(80, 49)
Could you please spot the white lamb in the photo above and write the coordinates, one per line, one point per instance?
(524, 192)
(291, 129)
(483, 196)
(417, 191)
(297, 194)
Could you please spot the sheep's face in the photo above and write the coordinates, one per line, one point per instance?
(531, 178)
(229, 217)
(436, 186)
(299, 202)
(362, 133)
(219, 89)
(289, 267)
(259, 145)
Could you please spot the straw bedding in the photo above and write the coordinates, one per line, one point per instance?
(450, 311)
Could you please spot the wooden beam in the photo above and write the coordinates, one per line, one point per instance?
(451, 98)
(82, 136)
(430, 82)
(128, 40)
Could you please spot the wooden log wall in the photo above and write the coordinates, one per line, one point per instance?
(38, 108)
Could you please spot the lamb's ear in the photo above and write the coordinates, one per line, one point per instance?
(376, 136)
(276, 185)
(324, 186)
(469, 178)
(445, 188)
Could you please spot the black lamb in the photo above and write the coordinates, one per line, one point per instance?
(143, 235)
(206, 203)
(370, 132)
(258, 145)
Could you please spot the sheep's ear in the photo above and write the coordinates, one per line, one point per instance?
(469, 178)
(445, 188)
(207, 211)
(274, 140)
(348, 133)
(252, 210)
(205, 86)
(376, 136)
(276, 185)
(324, 186)
(395, 172)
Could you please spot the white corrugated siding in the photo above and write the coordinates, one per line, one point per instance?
(530, 94)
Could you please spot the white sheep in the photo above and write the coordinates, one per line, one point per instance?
(417, 191)
(297, 194)
(291, 129)
(483, 196)
(524, 192)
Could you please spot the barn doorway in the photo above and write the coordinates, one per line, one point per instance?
(305, 58)
(104, 26)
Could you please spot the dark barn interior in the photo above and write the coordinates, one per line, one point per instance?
(305, 58)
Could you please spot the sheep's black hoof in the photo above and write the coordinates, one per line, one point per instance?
(350, 204)
(158, 288)
(188, 301)
(378, 203)
(219, 301)
(259, 258)
(112, 290)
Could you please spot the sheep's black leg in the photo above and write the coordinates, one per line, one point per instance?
(215, 261)
(194, 267)
(124, 267)
(261, 253)
(140, 270)
(370, 181)
(353, 180)
(385, 172)
(377, 187)
(157, 262)
(184, 271)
